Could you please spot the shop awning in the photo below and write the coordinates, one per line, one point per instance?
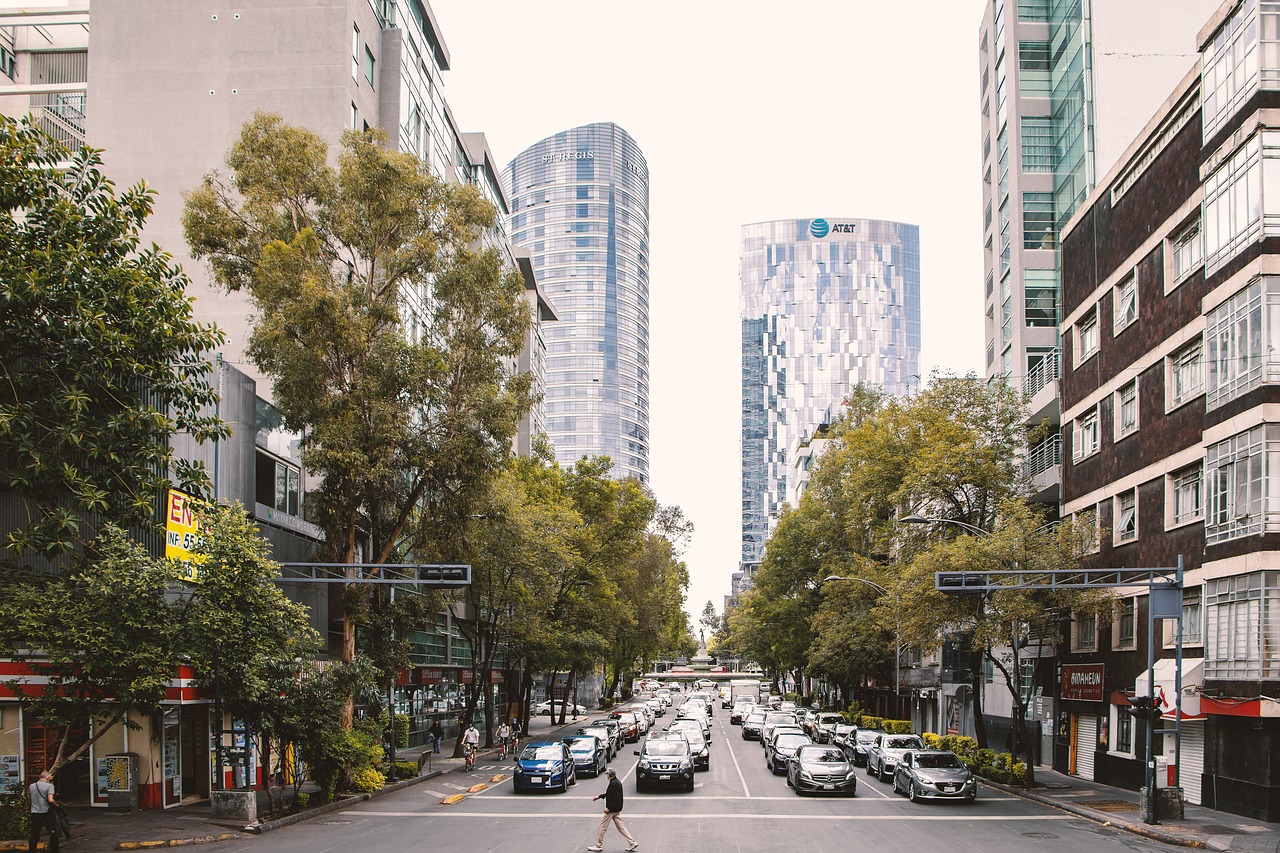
(1166, 685)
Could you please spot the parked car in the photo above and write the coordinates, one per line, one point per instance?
(883, 756)
(822, 726)
(933, 774)
(778, 751)
(630, 725)
(544, 709)
(821, 769)
(590, 753)
(605, 736)
(753, 724)
(860, 745)
(544, 765)
(615, 731)
(664, 760)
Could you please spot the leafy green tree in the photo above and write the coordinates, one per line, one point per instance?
(387, 332)
(100, 360)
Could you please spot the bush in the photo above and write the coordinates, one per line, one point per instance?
(897, 727)
(1019, 774)
(13, 812)
(300, 802)
(402, 731)
(367, 779)
(932, 740)
(406, 769)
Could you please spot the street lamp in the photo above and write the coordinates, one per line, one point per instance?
(897, 634)
(920, 519)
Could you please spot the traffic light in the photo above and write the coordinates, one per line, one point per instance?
(1144, 707)
(959, 583)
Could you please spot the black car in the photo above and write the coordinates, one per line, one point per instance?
(664, 760)
(860, 744)
(779, 751)
(821, 769)
(615, 731)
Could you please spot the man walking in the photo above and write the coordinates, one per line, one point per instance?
(42, 816)
(612, 812)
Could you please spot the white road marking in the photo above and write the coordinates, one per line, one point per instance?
(429, 793)
(738, 767)
(969, 818)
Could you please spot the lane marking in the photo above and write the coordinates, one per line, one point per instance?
(718, 815)
(737, 766)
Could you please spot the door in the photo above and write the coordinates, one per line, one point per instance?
(171, 759)
(1192, 757)
(1086, 743)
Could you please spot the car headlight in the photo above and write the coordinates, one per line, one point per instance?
(852, 774)
(704, 753)
(685, 764)
(644, 764)
(805, 774)
(925, 779)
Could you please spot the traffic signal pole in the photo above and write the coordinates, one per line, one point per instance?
(1153, 712)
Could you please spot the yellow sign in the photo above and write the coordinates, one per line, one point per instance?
(182, 533)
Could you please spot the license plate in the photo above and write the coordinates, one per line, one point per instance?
(664, 778)
(827, 787)
(535, 779)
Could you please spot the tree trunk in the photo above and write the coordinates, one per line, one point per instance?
(976, 684)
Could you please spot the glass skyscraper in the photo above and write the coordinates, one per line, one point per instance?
(580, 205)
(826, 305)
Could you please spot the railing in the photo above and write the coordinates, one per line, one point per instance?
(61, 115)
(1049, 369)
(1044, 456)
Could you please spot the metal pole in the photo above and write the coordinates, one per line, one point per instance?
(1151, 723)
(391, 695)
(220, 781)
(1177, 688)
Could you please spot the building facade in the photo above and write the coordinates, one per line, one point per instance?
(1170, 427)
(825, 305)
(580, 205)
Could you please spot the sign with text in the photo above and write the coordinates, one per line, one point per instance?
(182, 533)
(1082, 682)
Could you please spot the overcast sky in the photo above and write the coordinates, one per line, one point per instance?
(745, 111)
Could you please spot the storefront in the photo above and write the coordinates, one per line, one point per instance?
(1082, 726)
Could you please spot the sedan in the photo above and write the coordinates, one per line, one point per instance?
(781, 730)
(753, 724)
(590, 754)
(699, 747)
(824, 726)
(630, 725)
(883, 756)
(860, 745)
(552, 706)
(780, 750)
(934, 774)
(665, 760)
(842, 735)
(776, 718)
(615, 731)
(821, 769)
(544, 765)
(606, 737)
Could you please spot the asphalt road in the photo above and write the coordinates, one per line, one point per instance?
(737, 807)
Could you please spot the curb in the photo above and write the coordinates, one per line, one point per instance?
(1096, 817)
(176, 842)
(280, 823)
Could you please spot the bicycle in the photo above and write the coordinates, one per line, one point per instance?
(469, 753)
(502, 748)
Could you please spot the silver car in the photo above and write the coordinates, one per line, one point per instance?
(883, 756)
(753, 723)
(933, 774)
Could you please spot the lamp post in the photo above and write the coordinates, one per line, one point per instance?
(897, 634)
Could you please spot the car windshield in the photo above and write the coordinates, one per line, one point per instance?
(601, 733)
(605, 723)
(695, 738)
(790, 741)
(938, 761)
(776, 717)
(844, 728)
(666, 747)
(544, 752)
(903, 743)
(866, 736)
(821, 753)
(830, 719)
(583, 744)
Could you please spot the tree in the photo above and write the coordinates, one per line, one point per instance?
(387, 333)
(100, 359)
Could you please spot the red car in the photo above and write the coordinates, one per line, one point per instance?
(630, 725)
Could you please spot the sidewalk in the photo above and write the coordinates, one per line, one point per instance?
(1118, 807)
(98, 830)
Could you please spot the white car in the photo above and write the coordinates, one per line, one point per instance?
(545, 709)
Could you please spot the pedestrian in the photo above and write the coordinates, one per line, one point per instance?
(436, 734)
(612, 812)
(42, 815)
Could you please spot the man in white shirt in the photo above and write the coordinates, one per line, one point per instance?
(42, 816)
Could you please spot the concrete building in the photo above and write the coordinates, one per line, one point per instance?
(580, 204)
(825, 305)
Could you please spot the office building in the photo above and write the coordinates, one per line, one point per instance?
(580, 205)
(825, 305)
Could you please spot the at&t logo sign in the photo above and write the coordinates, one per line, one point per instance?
(819, 228)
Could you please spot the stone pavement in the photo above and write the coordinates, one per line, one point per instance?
(96, 830)
(1118, 807)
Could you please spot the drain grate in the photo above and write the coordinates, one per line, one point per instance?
(1110, 805)
(1046, 836)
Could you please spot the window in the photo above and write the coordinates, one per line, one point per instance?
(1033, 69)
(1186, 488)
(1242, 627)
(278, 485)
(355, 116)
(1122, 726)
(1125, 302)
(368, 65)
(1233, 205)
(1088, 521)
(1238, 346)
(1087, 336)
(1186, 375)
(1126, 517)
(1084, 437)
(355, 54)
(1084, 630)
(1005, 237)
(1037, 144)
(1037, 221)
(1126, 410)
(1187, 250)
(1033, 10)
(1236, 477)
(1123, 631)
(1040, 292)
(1230, 65)
(1192, 629)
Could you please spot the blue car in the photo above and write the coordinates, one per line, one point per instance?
(590, 754)
(544, 765)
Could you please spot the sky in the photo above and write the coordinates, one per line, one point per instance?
(746, 111)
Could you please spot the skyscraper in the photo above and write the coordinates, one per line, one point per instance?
(580, 205)
(826, 305)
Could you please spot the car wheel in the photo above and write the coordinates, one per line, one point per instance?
(574, 777)
(882, 775)
(896, 788)
(913, 793)
(689, 788)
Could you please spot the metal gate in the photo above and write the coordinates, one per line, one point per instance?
(1192, 755)
(1086, 744)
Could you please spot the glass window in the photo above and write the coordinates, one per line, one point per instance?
(1232, 209)
(1084, 440)
(1037, 221)
(355, 54)
(1125, 623)
(1033, 69)
(1242, 626)
(1238, 341)
(355, 116)
(1241, 494)
(1126, 517)
(1087, 337)
(368, 65)
(1126, 408)
(1005, 235)
(1187, 248)
(1124, 732)
(1186, 374)
(1086, 632)
(1187, 487)
(1037, 144)
(1192, 617)
(1230, 64)
(1125, 300)
(1033, 10)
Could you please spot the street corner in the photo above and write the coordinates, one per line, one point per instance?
(176, 842)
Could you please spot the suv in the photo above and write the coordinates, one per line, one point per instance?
(823, 727)
(664, 760)
(882, 758)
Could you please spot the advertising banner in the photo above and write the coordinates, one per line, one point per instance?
(182, 533)
(1082, 682)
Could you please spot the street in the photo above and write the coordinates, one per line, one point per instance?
(737, 805)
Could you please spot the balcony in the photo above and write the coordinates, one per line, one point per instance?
(1044, 468)
(61, 115)
(1041, 388)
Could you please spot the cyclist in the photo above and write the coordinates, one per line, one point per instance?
(470, 743)
(504, 735)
